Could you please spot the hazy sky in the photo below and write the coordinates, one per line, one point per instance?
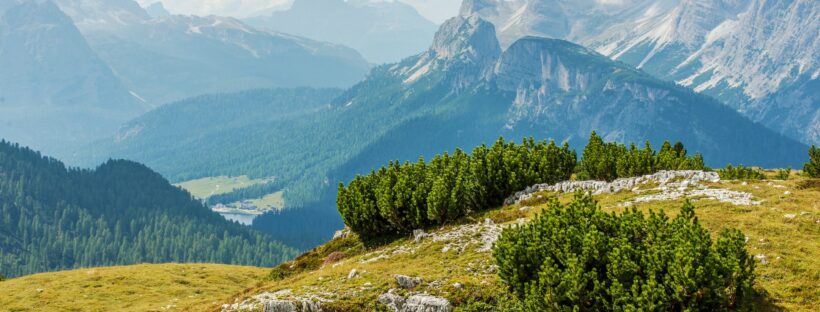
(435, 10)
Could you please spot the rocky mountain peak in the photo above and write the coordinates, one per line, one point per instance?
(469, 39)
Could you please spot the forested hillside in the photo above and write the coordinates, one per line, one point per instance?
(53, 217)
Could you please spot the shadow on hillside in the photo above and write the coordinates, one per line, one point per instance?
(763, 302)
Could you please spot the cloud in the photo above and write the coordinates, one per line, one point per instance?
(434, 10)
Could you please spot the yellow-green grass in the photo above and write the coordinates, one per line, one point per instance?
(160, 287)
(789, 280)
(207, 187)
(270, 201)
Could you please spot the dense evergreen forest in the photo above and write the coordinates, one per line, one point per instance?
(53, 217)
(400, 198)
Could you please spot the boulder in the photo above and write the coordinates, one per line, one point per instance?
(426, 303)
(408, 282)
(392, 300)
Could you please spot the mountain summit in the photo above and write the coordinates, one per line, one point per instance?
(758, 56)
(383, 31)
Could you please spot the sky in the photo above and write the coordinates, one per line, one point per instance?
(434, 10)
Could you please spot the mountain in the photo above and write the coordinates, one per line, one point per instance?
(192, 136)
(383, 31)
(156, 9)
(55, 91)
(169, 58)
(119, 213)
(760, 56)
(463, 91)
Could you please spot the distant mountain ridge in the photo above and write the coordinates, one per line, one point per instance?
(75, 71)
(383, 31)
(169, 58)
(753, 55)
(465, 91)
(55, 91)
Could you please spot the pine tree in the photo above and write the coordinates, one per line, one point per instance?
(812, 168)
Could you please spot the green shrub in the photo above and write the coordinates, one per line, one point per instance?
(783, 174)
(740, 173)
(812, 168)
(402, 197)
(608, 161)
(579, 258)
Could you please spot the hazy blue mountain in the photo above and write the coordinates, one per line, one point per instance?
(55, 91)
(169, 58)
(210, 134)
(753, 55)
(382, 31)
(156, 9)
(464, 91)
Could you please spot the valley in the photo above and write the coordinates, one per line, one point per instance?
(409, 156)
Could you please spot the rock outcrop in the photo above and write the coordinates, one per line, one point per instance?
(672, 185)
(414, 302)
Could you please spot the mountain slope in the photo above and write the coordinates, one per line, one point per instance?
(455, 262)
(465, 91)
(54, 90)
(382, 31)
(169, 58)
(120, 213)
(748, 54)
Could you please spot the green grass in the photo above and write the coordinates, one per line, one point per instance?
(271, 201)
(163, 287)
(207, 187)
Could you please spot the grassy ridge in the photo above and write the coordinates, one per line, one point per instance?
(160, 287)
(785, 229)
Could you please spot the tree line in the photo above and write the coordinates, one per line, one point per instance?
(54, 218)
(608, 161)
(402, 197)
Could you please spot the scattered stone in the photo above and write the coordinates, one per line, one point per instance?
(419, 235)
(368, 284)
(341, 233)
(39, 290)
(744, 183)
(426, 303)
(790, 216)
(392, 300)
(761, 258)
(352, 274)
(436, 284)
(525, 208)
(665, 179)
(787, 193)
(458, 286)
(280, 301)
(408, 282)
